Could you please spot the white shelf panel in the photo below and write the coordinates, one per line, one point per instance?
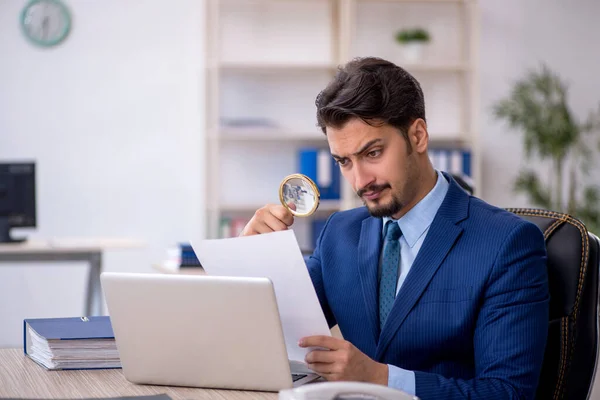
(251, 173)
(276, 31)
(417, 1)
(263, 2)
(268, 136)
(284, 67)
(452, 68)
(280, 66)
(266, 2)
(324, 206)
(382, 20)
(449, 143)
(444, 102)
(437, 139)
(286, 102)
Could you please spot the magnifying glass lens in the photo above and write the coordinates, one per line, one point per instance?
(302, 192)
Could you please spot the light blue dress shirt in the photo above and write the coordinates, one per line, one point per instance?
(414, 225)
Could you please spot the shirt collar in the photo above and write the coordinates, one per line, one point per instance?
(416, 221)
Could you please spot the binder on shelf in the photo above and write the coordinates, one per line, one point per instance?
(453, 161)
(319, 166)
(456, 162)
(466, 159)
(71, 343)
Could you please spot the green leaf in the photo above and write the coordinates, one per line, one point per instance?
(413, 35)
(537, 107)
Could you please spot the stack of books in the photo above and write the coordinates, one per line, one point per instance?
(71, 343)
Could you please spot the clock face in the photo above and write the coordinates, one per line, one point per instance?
(45, 22)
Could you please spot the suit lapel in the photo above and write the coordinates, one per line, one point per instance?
(369, 246)
(441, 237)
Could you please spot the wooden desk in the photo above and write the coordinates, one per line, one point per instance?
(20, 377)
(87, 250)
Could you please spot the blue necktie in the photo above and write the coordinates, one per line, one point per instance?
(389, 270)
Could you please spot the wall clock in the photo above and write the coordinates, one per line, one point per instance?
(45, 23)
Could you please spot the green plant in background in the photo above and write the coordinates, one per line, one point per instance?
(418, 35)
(537, 106)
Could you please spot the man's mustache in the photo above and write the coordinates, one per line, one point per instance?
(372, 188)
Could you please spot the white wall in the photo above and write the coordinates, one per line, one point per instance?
(517, 35)
(113, 118)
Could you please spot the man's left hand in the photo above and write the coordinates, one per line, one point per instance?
(342, 361)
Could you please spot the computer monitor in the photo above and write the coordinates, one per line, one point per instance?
(17, 198)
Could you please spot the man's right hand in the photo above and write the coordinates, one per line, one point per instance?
(270, 218)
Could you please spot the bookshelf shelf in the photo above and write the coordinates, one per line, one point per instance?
(261, 136)
(418, 1)
(436, 139)
(253, 67)
(268, 59)
(452, 68)
(257, 67)
(249, 208)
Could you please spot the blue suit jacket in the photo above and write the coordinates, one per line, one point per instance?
(471, 318)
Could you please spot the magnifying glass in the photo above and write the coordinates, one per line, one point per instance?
(301, 191)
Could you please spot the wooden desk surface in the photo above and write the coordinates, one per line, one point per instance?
(20, 377)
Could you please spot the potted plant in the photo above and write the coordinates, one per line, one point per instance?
(556, 142)
(413, 42)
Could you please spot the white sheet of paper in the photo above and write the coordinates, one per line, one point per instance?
(276, 256)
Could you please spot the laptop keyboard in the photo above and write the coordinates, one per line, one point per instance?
(297, 377)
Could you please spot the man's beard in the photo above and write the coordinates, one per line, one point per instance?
(382, 209)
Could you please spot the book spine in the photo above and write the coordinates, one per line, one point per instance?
(25, 341)
(453, 161)
(232, 227)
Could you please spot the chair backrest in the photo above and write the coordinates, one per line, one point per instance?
(571, 351)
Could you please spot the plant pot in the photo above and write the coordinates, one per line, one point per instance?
(412, 52)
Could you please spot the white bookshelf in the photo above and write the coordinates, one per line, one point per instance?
(268, 59)
(325, 206)
(274, 67)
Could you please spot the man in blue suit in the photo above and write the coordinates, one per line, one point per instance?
(436, 292)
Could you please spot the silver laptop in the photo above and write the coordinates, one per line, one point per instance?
(199, 331)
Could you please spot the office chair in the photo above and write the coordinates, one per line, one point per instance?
(571, 353)
(465, 182)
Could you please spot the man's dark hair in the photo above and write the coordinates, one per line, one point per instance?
(374, 90)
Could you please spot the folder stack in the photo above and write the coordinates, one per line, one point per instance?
(71, 343)
(454, 161)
